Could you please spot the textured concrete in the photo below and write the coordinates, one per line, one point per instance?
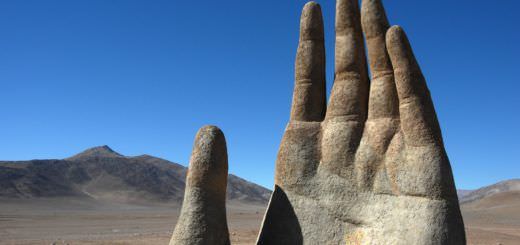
(203, 215)
(371, 167)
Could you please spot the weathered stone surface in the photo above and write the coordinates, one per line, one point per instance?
(203, 215)
(371, 167)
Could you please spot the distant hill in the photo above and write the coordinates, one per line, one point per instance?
(103, 174)
(461, 193)
(487, 191)
(492, 213)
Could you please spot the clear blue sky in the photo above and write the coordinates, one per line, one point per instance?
(143, 76)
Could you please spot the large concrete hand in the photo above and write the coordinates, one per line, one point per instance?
(369, 168)
(203, 215)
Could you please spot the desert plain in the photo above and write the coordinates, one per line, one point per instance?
(79, 221)
(493, 220)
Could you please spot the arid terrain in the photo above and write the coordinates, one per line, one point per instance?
(102, 197)
(492, 220)
(56, 221)
(492, 214)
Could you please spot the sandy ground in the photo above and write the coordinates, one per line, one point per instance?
(493, 220)
(84, 222)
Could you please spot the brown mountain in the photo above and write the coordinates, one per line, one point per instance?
(492, 213)
(461, 193)
(487, 191)
(103, 174)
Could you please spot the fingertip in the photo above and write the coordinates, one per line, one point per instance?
(347, 16)
(373, 18)
(396, 40)
(399, 49)
(394, 34)
(311, 23)
(209, 163)
(211, 132)
(311, 5)
(210, 145)
(210, 140)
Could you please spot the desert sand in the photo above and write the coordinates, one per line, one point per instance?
(80, 221)
(494, 219)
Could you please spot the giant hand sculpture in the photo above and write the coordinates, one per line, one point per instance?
(369, 168)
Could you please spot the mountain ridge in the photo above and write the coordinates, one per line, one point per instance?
(511, 185)
(97, 151)
(104, 174)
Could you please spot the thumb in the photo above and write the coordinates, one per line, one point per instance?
(203, 214)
